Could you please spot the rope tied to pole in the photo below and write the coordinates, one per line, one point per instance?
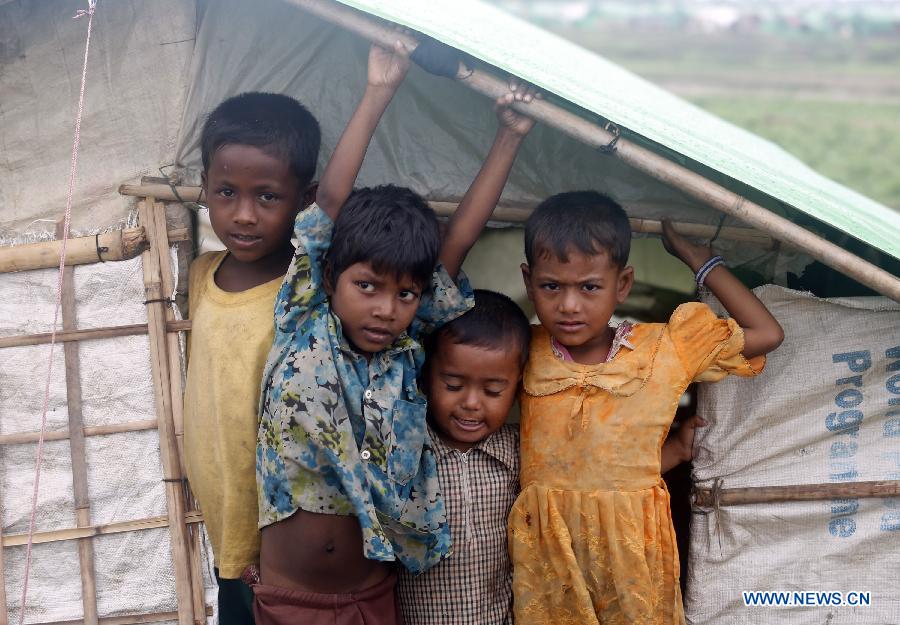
(92, 4)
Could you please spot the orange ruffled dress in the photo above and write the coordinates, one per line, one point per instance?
(591, 534)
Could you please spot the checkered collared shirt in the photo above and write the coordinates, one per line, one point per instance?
(474, 584)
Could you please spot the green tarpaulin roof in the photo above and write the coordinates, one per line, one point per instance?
(664, 122)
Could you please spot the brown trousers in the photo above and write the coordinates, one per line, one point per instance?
(375, 605)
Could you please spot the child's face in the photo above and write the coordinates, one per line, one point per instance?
(374, 308)
(470, 391)
(253, 198)
(576, 299)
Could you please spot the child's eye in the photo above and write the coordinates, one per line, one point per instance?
(366, 287)
(590, 288)
(226, 192)
(491, 393)
(408, 296)
(268, 197)
(453, 389)
(550, 286)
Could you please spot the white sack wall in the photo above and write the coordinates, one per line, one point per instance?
(831, 413)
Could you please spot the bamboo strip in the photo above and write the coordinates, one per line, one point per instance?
(642, 159)
(808, 492)
(4, 608)
(127, 619)
(82, 499)
(20, 438)
(156, 323)
(119, 245)
(89, 334)
(76, 533)
(173, 348)
(510, 214)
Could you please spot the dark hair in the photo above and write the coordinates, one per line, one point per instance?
(275, 123)
(390, 227)
(587, 221)
(495, 322)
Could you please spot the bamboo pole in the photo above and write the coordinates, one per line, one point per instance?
(192, 517)
(117, 245)
(4, 608)
(19, 438)
(76, 446)
(127, 619)
(159, 364)
(176, 389)
(808, 492)
(509, 214)
(89, 334)
(642, 159)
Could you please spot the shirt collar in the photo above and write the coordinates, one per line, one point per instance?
(493, 446)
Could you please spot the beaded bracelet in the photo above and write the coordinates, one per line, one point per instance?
(708, 266)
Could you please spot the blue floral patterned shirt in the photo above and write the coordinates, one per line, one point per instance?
(342, 435)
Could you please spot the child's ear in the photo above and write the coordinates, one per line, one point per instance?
(309, 196)
(624, 284)
(526, 277)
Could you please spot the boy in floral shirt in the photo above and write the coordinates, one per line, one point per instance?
(345, 470)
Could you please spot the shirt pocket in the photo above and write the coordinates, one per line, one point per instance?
(409, 438)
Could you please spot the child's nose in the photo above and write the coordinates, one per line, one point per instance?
(385, 308)
(471, 400)
(245, 212)
(569, 301)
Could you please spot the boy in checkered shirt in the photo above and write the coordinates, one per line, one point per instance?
(471, 377)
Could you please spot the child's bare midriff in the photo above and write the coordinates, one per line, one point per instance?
(318, 553)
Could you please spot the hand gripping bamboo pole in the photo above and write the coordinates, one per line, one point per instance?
(639, 158)
(77, 448)
(168, 448)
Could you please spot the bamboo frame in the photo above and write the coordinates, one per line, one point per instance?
(4, 608)
(76, 446)
(509, 214)
(117, 245)
(90, 334)
(152, 239)
(642, 159)
(706, 497)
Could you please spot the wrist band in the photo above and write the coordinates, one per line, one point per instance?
(708, 266)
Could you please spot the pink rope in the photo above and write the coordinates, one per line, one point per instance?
(62, 263)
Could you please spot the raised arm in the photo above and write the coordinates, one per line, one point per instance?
(480, 200)
(762, 333)
(387, 69)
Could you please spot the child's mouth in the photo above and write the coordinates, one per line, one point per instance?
(377, 335)
(243, 240)
(469, 425)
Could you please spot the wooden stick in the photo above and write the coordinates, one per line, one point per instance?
(116, 245)
(642, 159)
(168, 447)
(76, 446)
(127, 619)
(808, 492)
(20, 438)
(4, 608)
(89, 334)
(77, 533)
(510, 214)
(173, 348)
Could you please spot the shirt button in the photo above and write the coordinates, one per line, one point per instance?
(368, 394)
(365, 454)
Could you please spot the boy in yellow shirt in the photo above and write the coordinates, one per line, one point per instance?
(259, 156)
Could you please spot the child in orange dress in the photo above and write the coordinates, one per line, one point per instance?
(591, 535)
